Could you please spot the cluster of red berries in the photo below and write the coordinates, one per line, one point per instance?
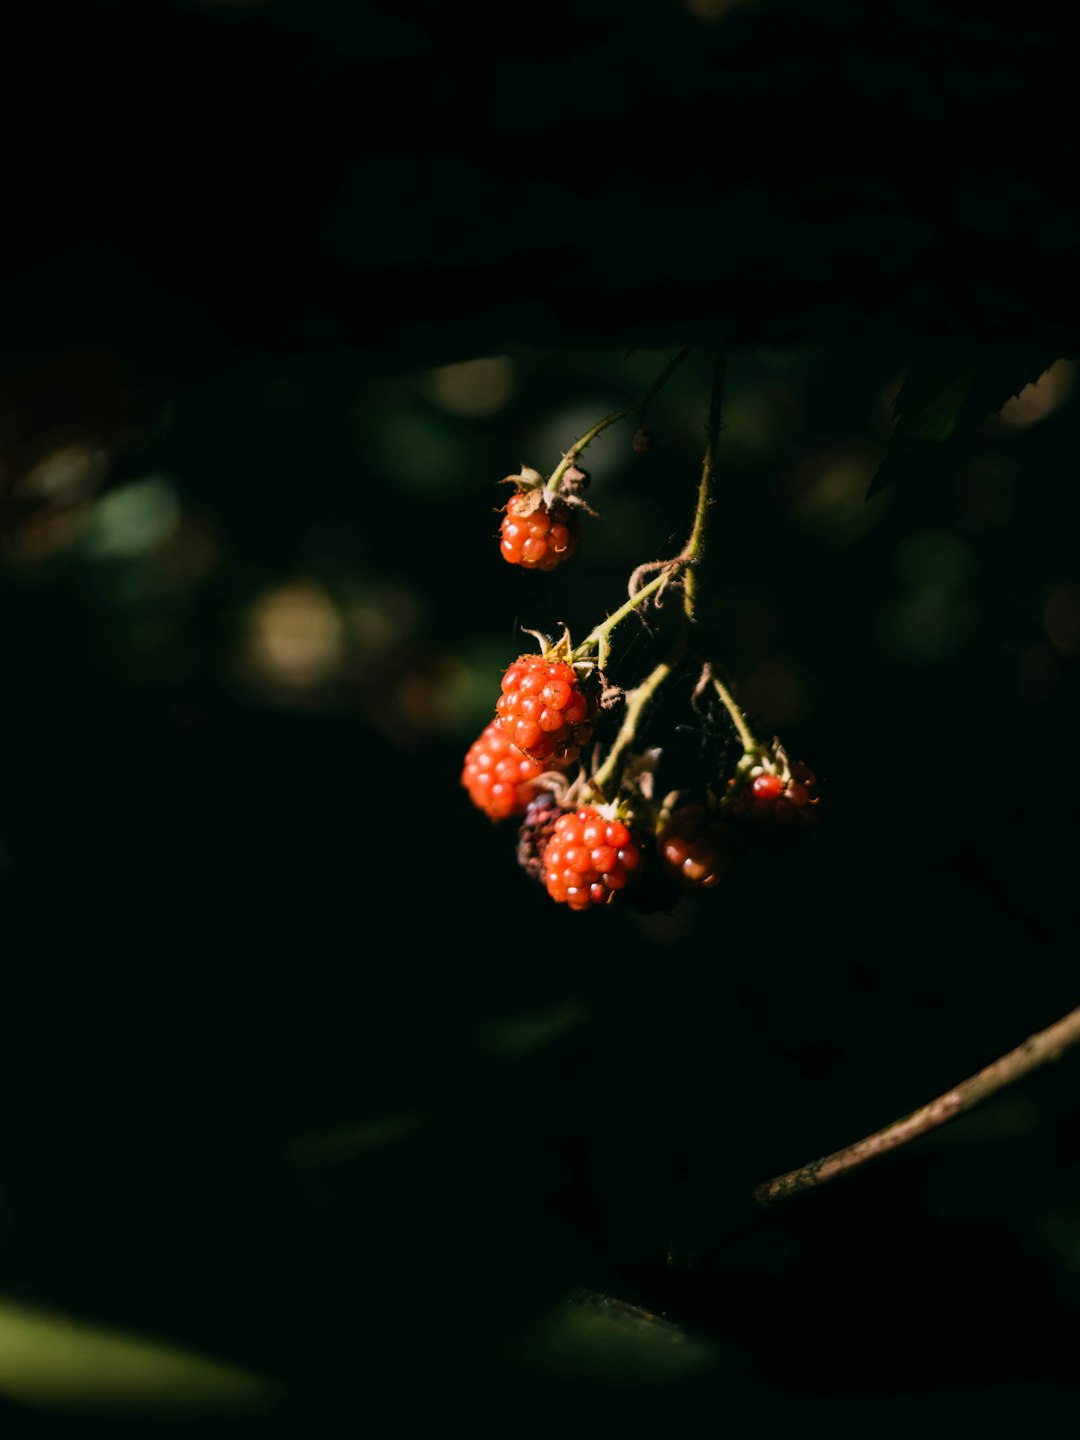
(543, 717)
(769, 812)
(587, 854)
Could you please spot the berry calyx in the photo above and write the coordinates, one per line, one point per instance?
(696, 847)
(546, 709)
(589, 858)
(537, 532)
(500, 779)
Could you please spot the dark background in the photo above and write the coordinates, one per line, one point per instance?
(301, 1072)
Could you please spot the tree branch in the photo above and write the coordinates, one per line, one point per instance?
(1036, 1050)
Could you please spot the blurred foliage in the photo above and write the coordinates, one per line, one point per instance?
(305, 1079)
(310, 1077)
(55, 1363)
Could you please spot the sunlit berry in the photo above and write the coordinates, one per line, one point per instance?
(545, 709)
(536, 533)
(500, 778)
(589, 858)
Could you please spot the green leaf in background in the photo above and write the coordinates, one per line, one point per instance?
(597, 1336)
(346, 1142)
(55, 1362)
(515, 1037)
(951, 388)
(933, 393)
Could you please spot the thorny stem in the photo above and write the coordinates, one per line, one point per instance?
(1036, 1050)
(750, 743)
(682, 564)
(600, 633)
(636, 702)
(571, 455)
(695, 546)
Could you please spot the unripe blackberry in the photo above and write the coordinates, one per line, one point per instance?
(535, 832)
(547, 709)
(500, 779)
(589, 858)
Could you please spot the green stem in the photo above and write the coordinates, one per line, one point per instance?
(600, 633)
(695, 546)
(683, 565)
(750, 743)
(571, 455)
(635, 705)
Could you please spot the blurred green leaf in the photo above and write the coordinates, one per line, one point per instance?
(934, 391)
(55, 1361)
(512, 1037)
(951, 388)
(598, 1336)
(344, 1142)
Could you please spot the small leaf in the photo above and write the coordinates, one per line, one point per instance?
(948, 393)
(933, 392)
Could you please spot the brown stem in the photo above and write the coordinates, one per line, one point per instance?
(1036, 1050)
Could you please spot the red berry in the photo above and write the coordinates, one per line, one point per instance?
(589, 858)
(766, 787)
(499, 778)
(696, 848)
(545, 710)
(537, 534)
(778, 812)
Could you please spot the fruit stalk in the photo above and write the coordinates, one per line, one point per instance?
(636, 703)
(556, 477)
(601, 633)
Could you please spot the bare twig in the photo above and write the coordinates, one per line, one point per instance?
(1036, 1050)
